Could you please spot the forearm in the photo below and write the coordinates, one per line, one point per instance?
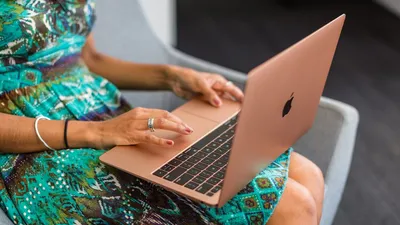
(17, 134)
(128, 75)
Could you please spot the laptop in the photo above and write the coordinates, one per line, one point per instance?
(230, 145)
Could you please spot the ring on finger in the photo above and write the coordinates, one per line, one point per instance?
(150, 124)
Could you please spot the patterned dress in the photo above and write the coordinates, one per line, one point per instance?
(42, 73)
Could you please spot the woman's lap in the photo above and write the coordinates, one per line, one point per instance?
(73, 185)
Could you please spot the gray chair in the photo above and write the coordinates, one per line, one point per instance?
(122, 31)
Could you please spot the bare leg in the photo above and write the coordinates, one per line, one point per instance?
(306, 173)
(297, 206)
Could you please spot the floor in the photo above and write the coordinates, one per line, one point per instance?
(365, 74)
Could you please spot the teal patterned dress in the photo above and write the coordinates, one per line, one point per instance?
(42, 73)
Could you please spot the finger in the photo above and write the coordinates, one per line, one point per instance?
(165, 124)
(152, 139)
(209, 94)
(230, 89)
(234, 91)
(215, 79)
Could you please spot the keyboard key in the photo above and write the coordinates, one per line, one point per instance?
(214, 156)
(221, 140)
(207, 139)
(183, 179)
(193, 159)
(194, 171)
(190, 151)
(206, 174)
(207, 150)
(187, 164)
(198, 179)
(227, 135)
(223, 169)
(207, 161)
(220, 184)
(160, 173)
(216, 189)
(191, 185)
(212, 169)
(167, 168)
(213, 181)
(236, 117)
(213, 145)
(232, 130)
(219, 175)
(219, 163)
(225, 157)
(200, 166)
(210, 194)
(175, 162)
(230, 123)
(204, 188)
(201, 154)
(182, 157)
(221, 151)
(227, 146)
(175, 173)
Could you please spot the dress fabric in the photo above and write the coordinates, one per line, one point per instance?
(42, 73)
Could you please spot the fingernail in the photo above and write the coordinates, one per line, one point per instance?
(188, 130)
(188, 127)
(217, 102)
(169, 142)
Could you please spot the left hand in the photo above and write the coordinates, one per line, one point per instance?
(188, 83)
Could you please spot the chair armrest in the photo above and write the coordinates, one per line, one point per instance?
(338, 170)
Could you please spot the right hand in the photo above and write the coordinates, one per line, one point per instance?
(131, 128)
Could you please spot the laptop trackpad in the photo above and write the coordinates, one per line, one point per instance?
(205, 110)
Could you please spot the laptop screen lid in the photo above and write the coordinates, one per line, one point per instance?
(281, 101)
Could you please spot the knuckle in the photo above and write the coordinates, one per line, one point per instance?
(132, 126)
(161, 122)
(165, 114)
(133, 138)
(136, 111)
(147, 137)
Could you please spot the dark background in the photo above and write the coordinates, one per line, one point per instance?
(365, 74)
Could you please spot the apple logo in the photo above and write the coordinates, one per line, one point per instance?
(288, 106)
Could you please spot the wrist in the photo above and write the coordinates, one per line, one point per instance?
(84, 134)
(169, 76)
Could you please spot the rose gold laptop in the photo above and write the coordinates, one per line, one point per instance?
(226, 151)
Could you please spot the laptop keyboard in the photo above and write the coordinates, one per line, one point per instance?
(202, 166)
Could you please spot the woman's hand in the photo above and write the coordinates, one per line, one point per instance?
(131, 128)
(187, 83)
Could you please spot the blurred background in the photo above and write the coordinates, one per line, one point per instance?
(365, 73)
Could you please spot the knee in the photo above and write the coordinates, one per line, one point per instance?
(298, 202)
(304, 202)
(315, 172)
(305, 167)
